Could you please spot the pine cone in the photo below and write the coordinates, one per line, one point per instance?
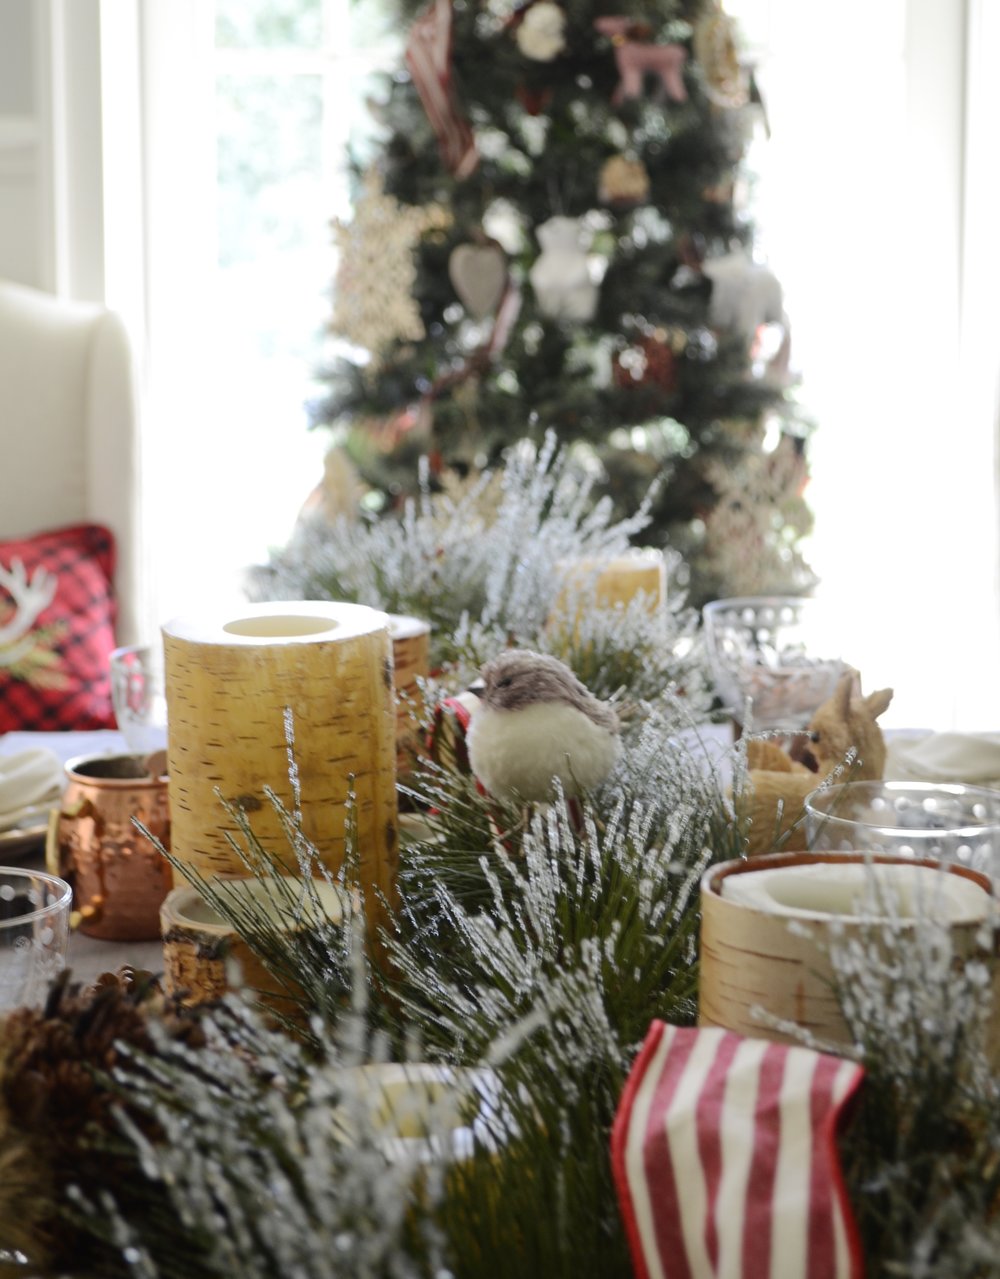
(51, 1092)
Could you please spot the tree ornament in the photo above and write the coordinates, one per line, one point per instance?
(756, 498)
(374, 304)
(534, 100)
(635, 58)
(478, 273)
(428, 57)
(745, 294)
(560, 275)
(713, 42)
(648, 360)
(541, 32)
(623, 181)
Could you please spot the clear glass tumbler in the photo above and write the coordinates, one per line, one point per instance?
(943, 821)
(34, 935)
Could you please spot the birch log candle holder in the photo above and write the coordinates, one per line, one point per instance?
(293, 697)
(418, 1112)
(767, 923)
(411, 649)
(204, 957)
(614, 581)
(590, 583)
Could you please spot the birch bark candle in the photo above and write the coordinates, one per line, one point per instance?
(616, 580)
(411, 649)
(752, 959)
(325, 668)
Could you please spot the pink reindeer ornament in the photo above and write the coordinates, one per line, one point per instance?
(635, 58)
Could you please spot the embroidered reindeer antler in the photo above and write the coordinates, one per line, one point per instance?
(31, 598)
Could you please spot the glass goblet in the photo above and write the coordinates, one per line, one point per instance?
(139, 698)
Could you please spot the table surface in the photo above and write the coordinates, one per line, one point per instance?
(88, 957)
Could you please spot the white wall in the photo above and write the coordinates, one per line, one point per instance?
(20, 209)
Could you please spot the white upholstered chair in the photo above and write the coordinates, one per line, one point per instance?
(69, 442)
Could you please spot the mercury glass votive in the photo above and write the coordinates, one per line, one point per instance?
(945, 821)
(34, 935)
(777, 654)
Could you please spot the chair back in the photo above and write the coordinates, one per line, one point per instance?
(69, 439)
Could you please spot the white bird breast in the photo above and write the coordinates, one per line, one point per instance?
(517, 753)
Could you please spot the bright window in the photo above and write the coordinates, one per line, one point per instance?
(862, 193)
(875, 201)
(272, 103)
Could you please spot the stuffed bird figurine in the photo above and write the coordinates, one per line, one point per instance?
(536, 722)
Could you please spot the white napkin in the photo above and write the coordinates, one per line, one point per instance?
(30, 782)
(972, 758)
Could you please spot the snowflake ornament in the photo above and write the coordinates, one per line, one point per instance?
(374, 303)
(758, 497)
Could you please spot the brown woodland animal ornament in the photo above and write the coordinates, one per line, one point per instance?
(771, 799)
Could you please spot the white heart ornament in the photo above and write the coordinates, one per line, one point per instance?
(478, 273)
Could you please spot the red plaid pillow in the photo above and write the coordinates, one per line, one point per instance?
(57, 620)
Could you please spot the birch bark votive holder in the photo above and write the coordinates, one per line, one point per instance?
(204, 955)
(610, 582)
(420, 1112)
(769, 922)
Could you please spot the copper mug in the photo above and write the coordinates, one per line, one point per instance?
(119, 877)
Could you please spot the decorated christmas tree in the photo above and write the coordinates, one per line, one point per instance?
(553, 234)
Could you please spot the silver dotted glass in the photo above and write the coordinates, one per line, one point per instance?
(777, 654)
(945, 822)
(34, 935)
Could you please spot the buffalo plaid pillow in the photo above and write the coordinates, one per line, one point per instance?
(57, 630)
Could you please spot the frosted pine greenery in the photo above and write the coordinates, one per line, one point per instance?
(535, 945)
(486, 565)
(546, 955)
(922, 1155)
(532, 945)
(248, 1172)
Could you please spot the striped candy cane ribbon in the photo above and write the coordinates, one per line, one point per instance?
(428, 56)
(725, 1159)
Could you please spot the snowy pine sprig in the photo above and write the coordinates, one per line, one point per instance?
(241, 1166)
(488, 565)
(922, 1156)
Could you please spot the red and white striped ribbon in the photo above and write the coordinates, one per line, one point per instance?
(428, 56)
(725, 1159)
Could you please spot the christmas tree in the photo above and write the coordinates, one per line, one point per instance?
(552, 235)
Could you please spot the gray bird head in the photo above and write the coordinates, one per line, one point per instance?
(520, 678)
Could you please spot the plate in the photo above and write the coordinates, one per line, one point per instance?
(22, 841)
